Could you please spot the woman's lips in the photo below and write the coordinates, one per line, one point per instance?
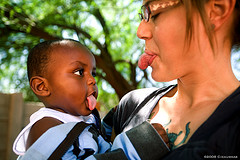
(146, 60)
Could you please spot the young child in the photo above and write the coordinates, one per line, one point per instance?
(61, 74)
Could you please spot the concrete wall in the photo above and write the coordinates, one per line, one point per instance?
(14, 115)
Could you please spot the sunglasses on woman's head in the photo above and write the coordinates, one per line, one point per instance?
(155, 7)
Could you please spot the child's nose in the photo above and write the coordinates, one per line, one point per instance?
(91, 80)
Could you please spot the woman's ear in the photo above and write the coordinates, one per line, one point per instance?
(220, 11)
(39, 86)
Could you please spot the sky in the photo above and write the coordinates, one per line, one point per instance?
(236, 64)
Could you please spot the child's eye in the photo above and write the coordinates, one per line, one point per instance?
(79, 72)
(94, 74)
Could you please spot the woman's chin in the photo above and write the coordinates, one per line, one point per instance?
(157, 77)
(161, 78)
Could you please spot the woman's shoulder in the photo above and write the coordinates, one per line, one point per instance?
(133, 101)
(138, 95)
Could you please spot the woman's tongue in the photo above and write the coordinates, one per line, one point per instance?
(145, 60)
(91, 102)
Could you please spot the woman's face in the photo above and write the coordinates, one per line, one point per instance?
(164, 36)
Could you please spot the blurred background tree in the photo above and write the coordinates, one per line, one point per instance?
(107, 27)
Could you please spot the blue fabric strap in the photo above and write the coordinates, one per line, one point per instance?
(68, 141)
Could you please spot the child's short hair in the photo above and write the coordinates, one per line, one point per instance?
(39, 56)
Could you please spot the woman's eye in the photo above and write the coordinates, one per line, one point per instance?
(79, 72)
(155, 16)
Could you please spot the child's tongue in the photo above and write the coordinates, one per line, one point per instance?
(91, 102)
(145, 60)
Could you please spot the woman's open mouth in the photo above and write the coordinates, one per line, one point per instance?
(146, 60)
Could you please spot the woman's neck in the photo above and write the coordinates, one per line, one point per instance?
(215, 86)
(210, 78)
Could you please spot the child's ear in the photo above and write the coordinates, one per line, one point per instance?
(220, 11)
(39, 86)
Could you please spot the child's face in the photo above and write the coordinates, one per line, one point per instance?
(70, 77)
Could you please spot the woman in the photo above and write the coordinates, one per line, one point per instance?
(191, 41)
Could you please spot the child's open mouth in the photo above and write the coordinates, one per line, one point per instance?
(91, 102)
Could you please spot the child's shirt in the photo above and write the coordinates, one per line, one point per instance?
(19, 146)
(142, 142)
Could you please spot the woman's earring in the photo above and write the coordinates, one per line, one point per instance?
(212, 26)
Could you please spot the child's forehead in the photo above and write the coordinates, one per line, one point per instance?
(70, 47)
(71, 50)
(66, 44)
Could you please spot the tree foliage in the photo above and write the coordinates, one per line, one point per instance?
(107, 28)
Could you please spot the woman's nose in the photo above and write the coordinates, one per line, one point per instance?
(144, 31)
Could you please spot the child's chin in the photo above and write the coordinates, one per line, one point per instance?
(87, 113)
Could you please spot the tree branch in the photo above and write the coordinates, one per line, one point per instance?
(23, 20)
